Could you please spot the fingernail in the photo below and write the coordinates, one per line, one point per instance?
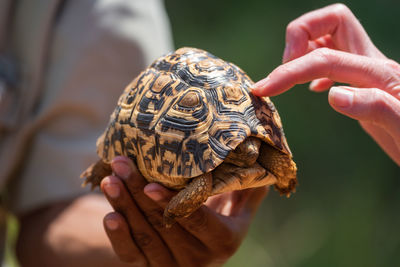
(112, 190)
(341, 97)
(286, 53)
(112, 224)
(151, 191)
(313, 84)
(260, 84)
(122, 169)
(154, 195)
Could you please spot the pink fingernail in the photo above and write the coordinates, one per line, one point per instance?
(156, 196)
(151, 190)
(260, 84)
(341, 97)
(112, 190)
(313, 84)
(112, 224)
(122, 169)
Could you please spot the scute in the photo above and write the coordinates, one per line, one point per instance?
(183, 115)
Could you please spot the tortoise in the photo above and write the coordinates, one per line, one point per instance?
(190, 123)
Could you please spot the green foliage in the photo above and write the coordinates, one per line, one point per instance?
(345, 212)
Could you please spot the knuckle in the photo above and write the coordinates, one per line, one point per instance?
(340, 8)
(378, 97)
(323, 52)
(379, 107)
(154, 217)
(343, 12)
(291, 27)
(326, 57)
(296, 27)
(143, 240)
(390, 64)
(393, 69)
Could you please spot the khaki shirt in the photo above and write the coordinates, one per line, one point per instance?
(72, 59)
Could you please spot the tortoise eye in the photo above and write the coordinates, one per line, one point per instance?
(190, 100)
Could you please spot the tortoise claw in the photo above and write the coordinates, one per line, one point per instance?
(188, 199)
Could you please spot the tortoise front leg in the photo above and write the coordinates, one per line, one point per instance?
(188, 199)
(95, 173)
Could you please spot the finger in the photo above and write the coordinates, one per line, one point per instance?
(370, 105)
(211, 228)
(338, 66)
(143, 234)
(216, 202)
(336, 20)
(232, 203)
(321, 84)
(135, 183)
(119, 234)
(148, 198)
(158, 193)
(384, 140)
(324, 41)
(248, 201)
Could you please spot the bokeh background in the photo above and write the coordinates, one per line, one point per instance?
(346, 209)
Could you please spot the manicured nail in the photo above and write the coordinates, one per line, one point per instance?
(122, 169)
(112, 190)
(112, 224)
(341, 97)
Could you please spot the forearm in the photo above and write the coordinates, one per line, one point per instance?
(67, 234)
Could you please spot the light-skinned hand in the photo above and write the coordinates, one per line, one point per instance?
(329, 45)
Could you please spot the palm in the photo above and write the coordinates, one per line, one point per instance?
(210, 235)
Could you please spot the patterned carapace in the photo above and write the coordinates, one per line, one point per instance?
(182, 116)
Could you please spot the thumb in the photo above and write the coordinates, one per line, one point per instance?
(248, 200)
(369, 105)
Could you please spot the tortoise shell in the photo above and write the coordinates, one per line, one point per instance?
(182, 116)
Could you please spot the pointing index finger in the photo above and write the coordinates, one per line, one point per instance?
(336, 65)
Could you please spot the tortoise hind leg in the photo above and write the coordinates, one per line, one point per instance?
(188, 199)
(95, 173)
(228, 177)
(282, 166)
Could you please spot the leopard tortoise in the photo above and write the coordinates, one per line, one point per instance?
(191, 124)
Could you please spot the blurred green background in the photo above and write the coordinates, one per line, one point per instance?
(346, 209)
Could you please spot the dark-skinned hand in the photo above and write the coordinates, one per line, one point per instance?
(208, 237)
